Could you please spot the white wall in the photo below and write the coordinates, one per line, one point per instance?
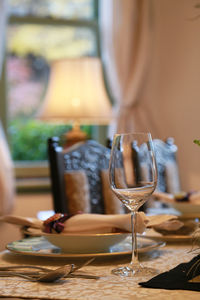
(172, 94)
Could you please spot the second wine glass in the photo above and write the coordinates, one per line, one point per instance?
(133, 178)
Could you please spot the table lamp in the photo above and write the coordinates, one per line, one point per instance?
(76, 94)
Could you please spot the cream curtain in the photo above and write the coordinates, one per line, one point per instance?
(126, 30)
(7, 180)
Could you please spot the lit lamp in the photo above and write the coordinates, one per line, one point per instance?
(76, 94)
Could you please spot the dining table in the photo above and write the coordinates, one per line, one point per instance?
(108, 286)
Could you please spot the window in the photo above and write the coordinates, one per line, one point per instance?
(40, 31)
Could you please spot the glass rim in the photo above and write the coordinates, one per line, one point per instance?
(133, 133)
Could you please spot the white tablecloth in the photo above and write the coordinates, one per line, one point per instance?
(108, 287)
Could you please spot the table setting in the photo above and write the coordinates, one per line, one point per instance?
(184, 205)
(107, 256)
(83, 235)
(95, 279)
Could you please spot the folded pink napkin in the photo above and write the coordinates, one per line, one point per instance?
(92, 223)
(22, 221)
(103, 223)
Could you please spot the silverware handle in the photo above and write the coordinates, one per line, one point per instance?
(12, 274)
(24, 267)
(86, 276)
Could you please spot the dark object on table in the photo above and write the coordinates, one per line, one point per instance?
(182, 277)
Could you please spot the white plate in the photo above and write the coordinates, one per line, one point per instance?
(155, 236)
(81, 242)
(39, 246)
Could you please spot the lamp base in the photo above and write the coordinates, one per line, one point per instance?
(75, 135)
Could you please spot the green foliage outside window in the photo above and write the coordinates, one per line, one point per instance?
(28, 140)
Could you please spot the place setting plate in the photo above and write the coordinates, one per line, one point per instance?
(110, 244)
(155, 236)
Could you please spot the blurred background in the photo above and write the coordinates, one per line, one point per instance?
(149, 51)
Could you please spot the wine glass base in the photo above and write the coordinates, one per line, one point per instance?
(140, 271)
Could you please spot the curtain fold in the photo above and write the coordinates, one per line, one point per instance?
(126, 35)
(7, 177)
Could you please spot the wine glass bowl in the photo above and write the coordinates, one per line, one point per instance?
(133, 178)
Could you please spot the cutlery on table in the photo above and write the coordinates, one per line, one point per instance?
(50, 276)
(87, 262)
(70, 269)
(45, 269)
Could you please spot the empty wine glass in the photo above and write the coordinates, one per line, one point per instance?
(133, 178)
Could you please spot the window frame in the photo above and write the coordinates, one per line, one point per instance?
(35, 175)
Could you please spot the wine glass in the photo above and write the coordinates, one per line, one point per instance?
(133, 178)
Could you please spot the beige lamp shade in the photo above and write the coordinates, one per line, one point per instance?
(76, 93)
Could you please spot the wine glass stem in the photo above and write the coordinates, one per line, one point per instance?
(134, 260)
